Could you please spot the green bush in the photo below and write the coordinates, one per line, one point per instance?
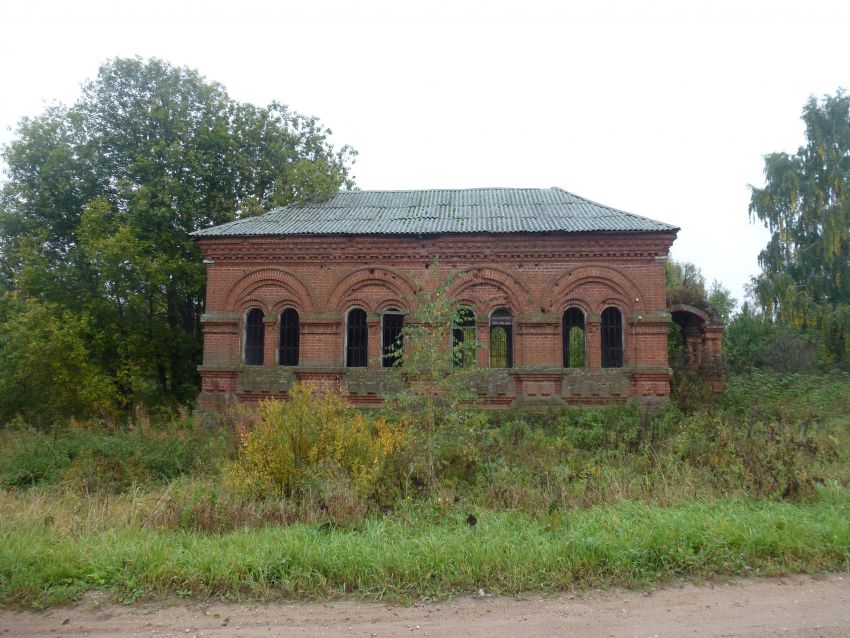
(758, 457)
(31, 457)
(293, 447)
(93, 456)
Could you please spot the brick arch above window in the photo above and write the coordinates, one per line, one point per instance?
(284, 303)
(514, 295)
(391, 304)
(615, 301)
(563, 290)
(591, 296)
(246, 304)
(279, 283)
(573, 302)
(398, 289)
(357, 302)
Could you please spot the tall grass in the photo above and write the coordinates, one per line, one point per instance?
(421, 552)
(93, 456)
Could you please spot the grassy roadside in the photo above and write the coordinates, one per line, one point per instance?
(374, 505)
(424, 552)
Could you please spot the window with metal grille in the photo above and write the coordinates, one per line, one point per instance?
(573, 336)
(357, 338)
(255, 333)
(501, 346)
(289, 337)
(463, 338)
(392, 324)
(612, 338)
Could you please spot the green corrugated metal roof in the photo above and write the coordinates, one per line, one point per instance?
(426, 212)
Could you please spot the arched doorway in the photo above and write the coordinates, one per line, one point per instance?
(695, 341)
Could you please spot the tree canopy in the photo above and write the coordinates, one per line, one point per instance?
(805, 203)
(100, 197)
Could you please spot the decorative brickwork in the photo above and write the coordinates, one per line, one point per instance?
(373, 289)
(535, 276)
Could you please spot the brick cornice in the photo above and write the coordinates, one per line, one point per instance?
(463, 248)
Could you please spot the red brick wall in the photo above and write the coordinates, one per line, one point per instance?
(536, 277)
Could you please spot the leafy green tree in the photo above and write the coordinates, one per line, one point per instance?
(437, 363)
(805, 203)
(745, 337)
(46, 373)
(721, 300)
(439, 369)
(100, 198)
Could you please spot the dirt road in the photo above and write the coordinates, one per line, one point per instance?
(791, 606)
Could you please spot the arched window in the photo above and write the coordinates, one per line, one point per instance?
(289, 337)
(392, 323)
(357, 338)
(573, 336)
(612, 338)
(463, 337)
(501, 341)
(255, 333)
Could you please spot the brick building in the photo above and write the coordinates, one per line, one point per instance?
(567, 296)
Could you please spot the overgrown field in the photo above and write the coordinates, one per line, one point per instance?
(313, 498)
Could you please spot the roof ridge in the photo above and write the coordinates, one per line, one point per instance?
(435, 190)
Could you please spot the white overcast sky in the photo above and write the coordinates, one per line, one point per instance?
(663, 109)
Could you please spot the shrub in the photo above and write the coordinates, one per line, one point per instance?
(30, 457)
(92, 456)
(789, 349)
(764, 458)
(293, 446)
(98, 470)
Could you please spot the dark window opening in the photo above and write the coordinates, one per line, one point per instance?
(612, 338)
(255, 333)
(392, 340)
(289, 337)
(357, 338)
(573, 336)
(501, 341)
(463, 338)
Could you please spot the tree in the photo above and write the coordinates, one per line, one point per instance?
(805, 204)
(45, 372)
(437, 363)
(721, 300)
(685, 283)
(101, 196)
